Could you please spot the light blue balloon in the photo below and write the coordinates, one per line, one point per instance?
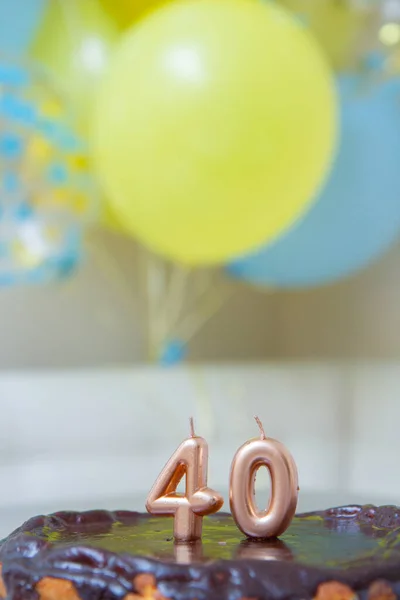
(357, 217)
(18, 22)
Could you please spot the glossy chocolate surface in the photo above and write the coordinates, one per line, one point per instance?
(102, 553)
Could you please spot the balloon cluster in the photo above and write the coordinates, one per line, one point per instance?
(215, 135)
(231, 169)
(46, 189)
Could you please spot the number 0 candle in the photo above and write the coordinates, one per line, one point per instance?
(190, 459)
(254, 454)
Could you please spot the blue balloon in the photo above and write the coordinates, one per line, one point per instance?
(18, 22)
(357, 216)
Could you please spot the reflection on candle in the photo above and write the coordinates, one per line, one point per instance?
(188, 552)
(267, 550)
(190, 459)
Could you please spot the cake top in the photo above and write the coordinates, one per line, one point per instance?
(127, 555)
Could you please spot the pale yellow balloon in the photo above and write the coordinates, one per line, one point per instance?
(214, 127)
(74, 43)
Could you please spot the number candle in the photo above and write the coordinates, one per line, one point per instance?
(248, 459)
(190, 459)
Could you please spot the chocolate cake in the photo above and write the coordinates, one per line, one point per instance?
(338, 554)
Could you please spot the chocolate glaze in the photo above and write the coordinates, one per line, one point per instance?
(102, 552)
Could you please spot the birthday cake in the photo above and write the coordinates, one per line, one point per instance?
(338, 554)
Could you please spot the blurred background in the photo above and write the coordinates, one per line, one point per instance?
(199, 215)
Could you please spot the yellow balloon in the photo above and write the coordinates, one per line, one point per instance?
(339, 26)
(126, 12)
(74, 43)
(214, 127)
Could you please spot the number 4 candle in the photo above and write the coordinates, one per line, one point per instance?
(190, 459)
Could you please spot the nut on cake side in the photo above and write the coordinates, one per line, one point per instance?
(145, 587)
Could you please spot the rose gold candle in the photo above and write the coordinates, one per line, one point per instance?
(190, 459)
(248, 459)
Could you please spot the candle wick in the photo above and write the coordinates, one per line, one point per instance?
(191, 422)
(260, 425)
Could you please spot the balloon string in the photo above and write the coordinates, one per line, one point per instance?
(176, 297)
(110, 267)
(180, 295)
(204, 282)
(155, 285)
(186, 326)
(193, 323)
